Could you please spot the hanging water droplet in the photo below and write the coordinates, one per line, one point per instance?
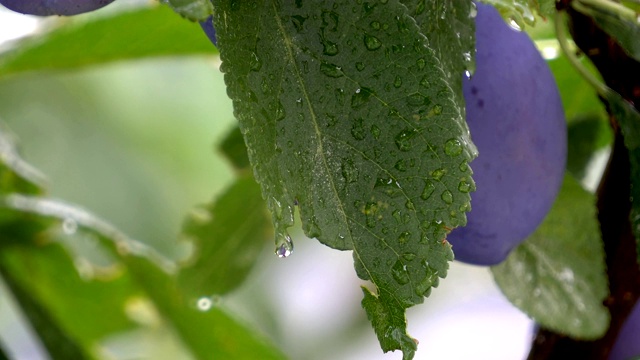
(400, 273)
(204, 304)
(447, 196)
(453, 147)
(515, 25)
(69, 226)
(284, 245)
(371, 42)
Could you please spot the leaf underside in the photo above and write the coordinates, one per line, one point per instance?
(349, 114)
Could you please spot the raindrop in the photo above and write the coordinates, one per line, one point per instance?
(437, 174)
(284, 245)
(453, 147)
(371, 42)
(331, 70)
(375, 131)
(254, 62)
(421, 63)
(204, 304)
(514, 24)
(403, 139)
(69, 226)
(375, 25)
(357, 131)
(400, 273)
(280, 113)
(429, 188)
(371, 212)
(465, 187)
(408, 256)
(437, 109)
(404, 237)
(330, 48)
(417, 99)
(349, 171)
(397, 82)
(360, 66)
(360, 97)
(473, 11)
(401, 165)
(447, 196)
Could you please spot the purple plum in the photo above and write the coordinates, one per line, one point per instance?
(54, 7)
(517, 122)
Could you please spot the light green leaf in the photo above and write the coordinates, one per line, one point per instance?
(228, 235)
(148, 32)
(194, 10)
(206, 330)
(521, 12)
(347, 114)
(558, 275)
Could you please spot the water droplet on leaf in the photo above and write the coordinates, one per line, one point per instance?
(453, 147)
(371, 42)
(447, 196)
(400, 273)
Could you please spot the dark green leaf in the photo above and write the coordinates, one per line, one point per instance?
(228, 235)
(347, 113)
(194, 10)
(558, 276)
(235, 150)
(138, 34)
(586, 135)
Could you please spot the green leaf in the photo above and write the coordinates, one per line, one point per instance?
(347, 114)
(148, 32)
(46, 276)
(558, 276)
(207, 331)
(228, 235)
(521, 12)
(194, 10)
(629, 120)
(59, 344)
(586, 135)
(235, 150)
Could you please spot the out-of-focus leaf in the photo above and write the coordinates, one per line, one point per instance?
(16, 175)
(228, 235)
(194, 10)
(349, 117)
(558, 276)
(586, 135)
(148, 32)
(235, 150)
(86, 310)
(208, 334)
